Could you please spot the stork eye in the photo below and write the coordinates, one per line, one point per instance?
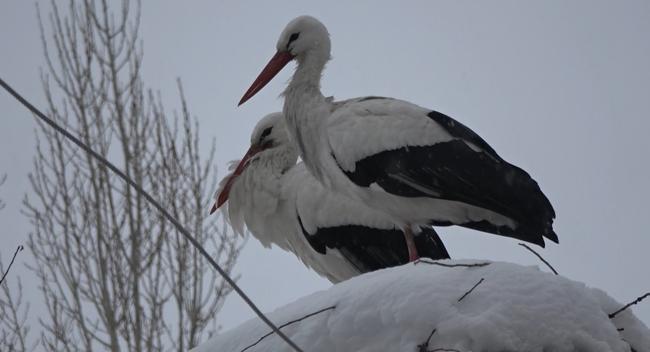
(293, 38)
(266, 132)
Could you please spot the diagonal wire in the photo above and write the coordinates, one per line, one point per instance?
(157, 205)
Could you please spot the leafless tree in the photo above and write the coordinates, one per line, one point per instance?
(114, 274)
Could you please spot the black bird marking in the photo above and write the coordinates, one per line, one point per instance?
(454, 171)
(460, 131)
(293, 38)
(371, 97)
(370, 249)
(266, 132)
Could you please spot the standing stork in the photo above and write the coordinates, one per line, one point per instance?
(281, 203)
(418, 165)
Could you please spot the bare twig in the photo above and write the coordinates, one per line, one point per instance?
(471, 289)
(3, 178)
(540, 257)
(425, 346)
(472, 265)
(19, 249)
(636, 301)
(288, 323)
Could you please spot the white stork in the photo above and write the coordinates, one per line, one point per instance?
(281, 203)
(417, 165)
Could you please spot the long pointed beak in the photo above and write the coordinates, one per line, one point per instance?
(224, 193)
(277, 62)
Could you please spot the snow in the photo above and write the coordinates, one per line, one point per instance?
(514, 308)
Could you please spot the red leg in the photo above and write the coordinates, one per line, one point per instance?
(410, 244)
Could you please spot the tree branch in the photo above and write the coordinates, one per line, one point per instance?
(636, 301)
(19, 249)
(540, 257)
(471, 265)
(424, 347)
(471, 289)
(288, 323)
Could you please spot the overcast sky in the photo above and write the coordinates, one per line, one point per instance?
(559, 88)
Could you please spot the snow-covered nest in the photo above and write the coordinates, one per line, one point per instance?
(514, 308)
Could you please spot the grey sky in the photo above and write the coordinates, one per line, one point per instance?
(559, 88)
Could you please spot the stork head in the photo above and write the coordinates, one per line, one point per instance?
(270, 132)
(303, 38)
(269, 144)
(305, 35)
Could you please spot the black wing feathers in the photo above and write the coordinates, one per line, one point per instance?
(454, 171)
(461, 131)
(371, 249)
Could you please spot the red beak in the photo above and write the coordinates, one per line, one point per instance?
(225, 192)
(277, 62)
